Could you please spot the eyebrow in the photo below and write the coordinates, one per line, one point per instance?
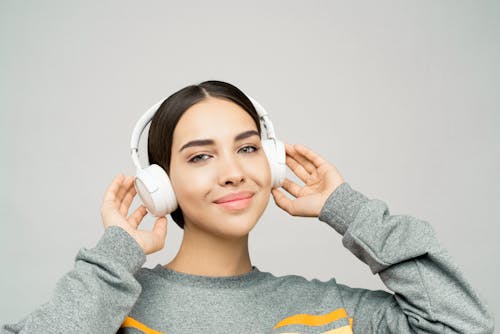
(205, 142)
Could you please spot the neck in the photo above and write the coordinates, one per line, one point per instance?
(206, 254)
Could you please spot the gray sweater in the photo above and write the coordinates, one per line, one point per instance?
(109, 292)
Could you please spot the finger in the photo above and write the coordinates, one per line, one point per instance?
(110, 194)
(312, 156)
(301, 159)
(127, 200)
(282, 201)
(160, 227)
(135, 218)
(292, 187)
(293, 156)
(297, 169)
(124, 187)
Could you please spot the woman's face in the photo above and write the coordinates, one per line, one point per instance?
(201, 174)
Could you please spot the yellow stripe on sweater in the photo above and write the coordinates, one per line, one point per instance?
(131, 322)
(312, 319)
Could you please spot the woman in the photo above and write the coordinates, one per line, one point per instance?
(211, 285)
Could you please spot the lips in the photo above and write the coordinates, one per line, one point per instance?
(235, 196)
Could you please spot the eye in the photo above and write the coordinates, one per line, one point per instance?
(254, 149)
(195, 158)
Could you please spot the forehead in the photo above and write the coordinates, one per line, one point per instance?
(212, 118)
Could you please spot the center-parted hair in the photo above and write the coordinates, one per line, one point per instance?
(164, 121)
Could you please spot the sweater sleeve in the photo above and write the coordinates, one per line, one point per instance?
(96, 295)
(430, 293)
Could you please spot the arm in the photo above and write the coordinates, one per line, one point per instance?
(430, 293)
(96, 295)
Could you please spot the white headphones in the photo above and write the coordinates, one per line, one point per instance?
(153, 184)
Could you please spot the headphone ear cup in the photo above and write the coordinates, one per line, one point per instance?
(155, 190)
(275, 152)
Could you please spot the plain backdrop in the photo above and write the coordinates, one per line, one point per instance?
(401, 96)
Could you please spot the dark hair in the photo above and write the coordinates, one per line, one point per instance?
(170, 111)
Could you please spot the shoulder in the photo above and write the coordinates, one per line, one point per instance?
(300, 284)
(146, 277)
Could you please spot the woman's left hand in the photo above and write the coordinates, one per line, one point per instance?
(320, 177)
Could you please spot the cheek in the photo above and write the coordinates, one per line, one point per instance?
(266, 170)
(262, 173)
(190, 185)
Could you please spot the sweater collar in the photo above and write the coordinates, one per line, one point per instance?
(202, 281)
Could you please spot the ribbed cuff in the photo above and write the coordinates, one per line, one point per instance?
(341, 207)
(119, 246)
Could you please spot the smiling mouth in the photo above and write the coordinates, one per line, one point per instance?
(238, 204)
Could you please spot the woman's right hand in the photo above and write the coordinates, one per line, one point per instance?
(114, 210)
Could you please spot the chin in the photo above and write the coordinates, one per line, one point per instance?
(235, 226)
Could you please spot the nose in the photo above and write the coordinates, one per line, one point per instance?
(231, 171)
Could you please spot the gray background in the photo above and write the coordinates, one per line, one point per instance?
(401, 96)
